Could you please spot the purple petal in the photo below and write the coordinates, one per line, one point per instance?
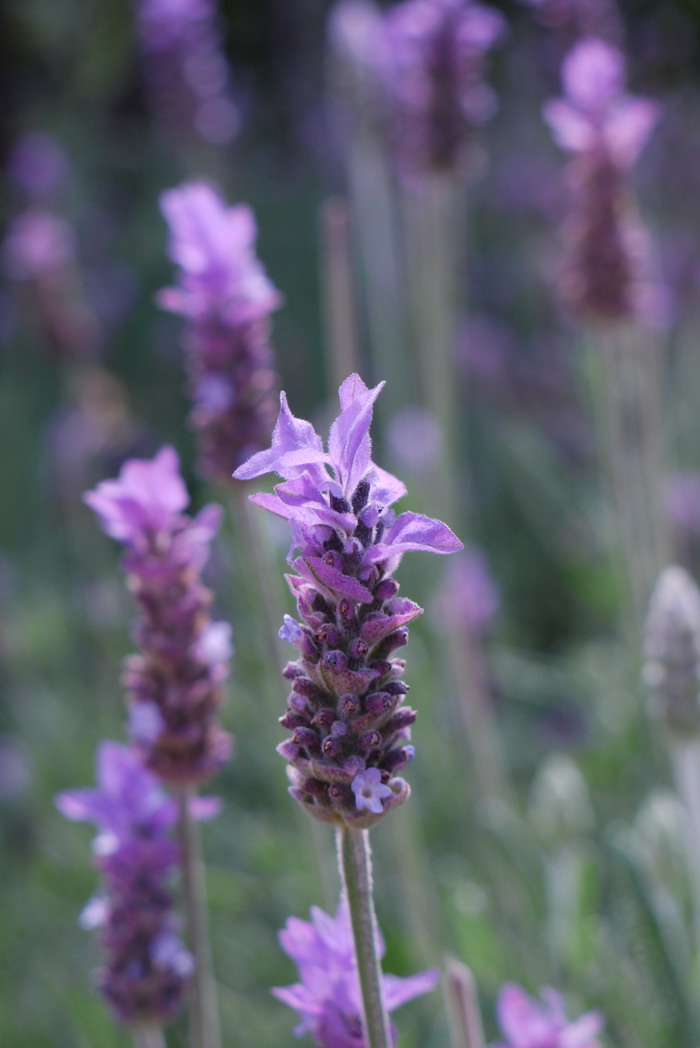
(349, 442)
(334, 580)
(398, 990)
(414, 531)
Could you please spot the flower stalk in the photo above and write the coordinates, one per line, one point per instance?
(355, 862)
(204, 1014)
(149, 1037)
(466, 1027)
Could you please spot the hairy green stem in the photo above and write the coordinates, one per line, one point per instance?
(354, 858)
(204, 1012)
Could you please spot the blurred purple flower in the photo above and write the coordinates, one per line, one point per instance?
(415, 439)
(435, 78)
(470, 596)
(328, 996)
(605, 129)
(176, 681)
(186, 69)
(38, 166)
(527, 1023)
(578, 17)
(147, 966)
(683, 502)
(344, 710)
(226, 296)
(38, 244)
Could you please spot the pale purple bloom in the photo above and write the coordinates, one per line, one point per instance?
(328, 996)
(527, 1023)
(434, 55)
(605, 129)
(186, 69)
(176, 682)
(146, 966)
(38, 244)
(683, 503)
(415, 439)
(345, 710)
(226, 296)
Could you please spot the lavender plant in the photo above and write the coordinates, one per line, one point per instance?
(328, 995)
(175, 683)
(147, 968)
(349, 728)
(225, 295)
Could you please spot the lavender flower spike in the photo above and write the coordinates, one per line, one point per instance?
(527, 1023)
(328, 996)
(147, 967)
(225, 295)
(176, 681)
(605, 129)
(435, 78)
(349, 730)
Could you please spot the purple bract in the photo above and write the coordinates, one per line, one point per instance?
(147, 966)
(225, 295)
(176, 681)
(345, 710)
(527, 1023)
(328, 996)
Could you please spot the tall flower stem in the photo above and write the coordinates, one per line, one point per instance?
(149, 1037)
(355, 861)
(685, 755)
(204, 1013)
(466, 1028)
(339, 290)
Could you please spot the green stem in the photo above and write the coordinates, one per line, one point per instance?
(354, 857)
(204, 1013)
(149, 1037)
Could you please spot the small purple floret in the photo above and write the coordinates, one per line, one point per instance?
(369, 790)
(527, 1023)
(328, 996)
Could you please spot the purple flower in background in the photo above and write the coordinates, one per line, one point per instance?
(38, 245)
(147, 967)
(186, 69)
(328, 996)
(38, 166)
(345, 710)
(579, 17)
(605, 129)
(176, 682)
(527, 1023)
(470, 596)
(225, 295)
(435, 53)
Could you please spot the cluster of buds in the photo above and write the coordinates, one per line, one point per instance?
(435, 54)
(350, 729)
(176, 681)
(605, 277)
(328, 996)
(186, 70)
(227, 298)
(672, 648)
(147, 967)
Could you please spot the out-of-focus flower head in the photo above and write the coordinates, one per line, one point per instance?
(328, 996)
(349, 731)
(435, 54)
(38, 166)
(186, 69)
(227, 298)
(578, 17)
(415, 439)
(147, 966)
(605, 129)
(528, 1023)
(672, 649)
(470, 596)
(176, 681)
(38, 244)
